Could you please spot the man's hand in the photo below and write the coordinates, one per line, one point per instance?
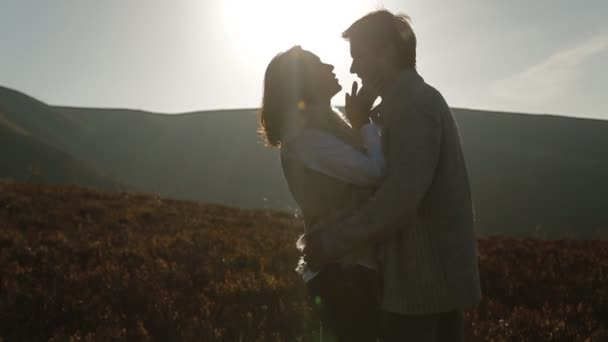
(313, 251)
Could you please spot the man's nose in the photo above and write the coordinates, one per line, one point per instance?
(352, 68)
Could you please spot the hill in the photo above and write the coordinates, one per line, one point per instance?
(210, 156)
(77, 263)
(33, 140)
(537, 173)
(29, 116)
(25, 158)
(531, 175)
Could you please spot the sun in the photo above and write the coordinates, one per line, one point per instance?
(262, 28)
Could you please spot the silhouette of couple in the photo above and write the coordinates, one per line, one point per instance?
(389, 250)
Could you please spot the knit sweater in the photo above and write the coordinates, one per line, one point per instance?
(323, 199)
(421, 216)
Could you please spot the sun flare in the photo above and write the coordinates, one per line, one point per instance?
(260, 29)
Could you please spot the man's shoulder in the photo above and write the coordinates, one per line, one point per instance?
(416, 90)
(413, 96)
(428, 93)
(422, 98)
(430, 101)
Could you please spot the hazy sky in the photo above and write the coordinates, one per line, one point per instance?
(541, 56)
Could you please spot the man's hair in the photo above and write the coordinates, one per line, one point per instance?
(381, 28)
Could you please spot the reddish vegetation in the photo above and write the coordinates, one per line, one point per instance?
(91, 265)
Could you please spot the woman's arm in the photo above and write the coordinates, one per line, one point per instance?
(333, 157)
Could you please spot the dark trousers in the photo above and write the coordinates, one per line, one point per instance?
(441, 327)
(346, 300)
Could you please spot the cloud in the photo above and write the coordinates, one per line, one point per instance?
(553, 77)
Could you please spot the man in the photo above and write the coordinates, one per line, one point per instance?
(421, 217)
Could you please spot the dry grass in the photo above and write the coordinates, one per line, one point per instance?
(81, 264)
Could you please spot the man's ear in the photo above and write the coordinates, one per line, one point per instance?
(387, 58)
(390, 55)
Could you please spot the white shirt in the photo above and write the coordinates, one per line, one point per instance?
(331, 156)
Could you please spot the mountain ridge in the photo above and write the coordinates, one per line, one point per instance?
(529, 173)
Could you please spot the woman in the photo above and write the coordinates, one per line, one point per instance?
(331, 168)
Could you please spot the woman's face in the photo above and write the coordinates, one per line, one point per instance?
(322, 79)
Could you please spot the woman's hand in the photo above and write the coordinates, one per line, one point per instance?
(359, 102)
(311, 246)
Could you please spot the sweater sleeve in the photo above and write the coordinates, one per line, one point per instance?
(413, 146)
(325, 153)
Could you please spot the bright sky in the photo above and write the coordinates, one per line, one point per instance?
(541, 56)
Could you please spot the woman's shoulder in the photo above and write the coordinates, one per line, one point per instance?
(311, 136)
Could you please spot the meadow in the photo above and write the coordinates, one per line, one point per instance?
(81, 264)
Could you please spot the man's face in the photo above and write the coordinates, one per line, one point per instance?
(366, 62)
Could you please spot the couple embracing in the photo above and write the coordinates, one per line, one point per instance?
(389, 251)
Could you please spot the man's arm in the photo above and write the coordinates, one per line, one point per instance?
(412, 153)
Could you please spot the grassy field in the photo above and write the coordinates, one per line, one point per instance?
(80, 264)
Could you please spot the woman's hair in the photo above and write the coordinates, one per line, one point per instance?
(289, 89)
(286, 85)
(381, 28)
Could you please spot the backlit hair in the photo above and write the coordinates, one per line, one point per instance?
(381, 28)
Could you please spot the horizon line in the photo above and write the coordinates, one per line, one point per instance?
(223, 109)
